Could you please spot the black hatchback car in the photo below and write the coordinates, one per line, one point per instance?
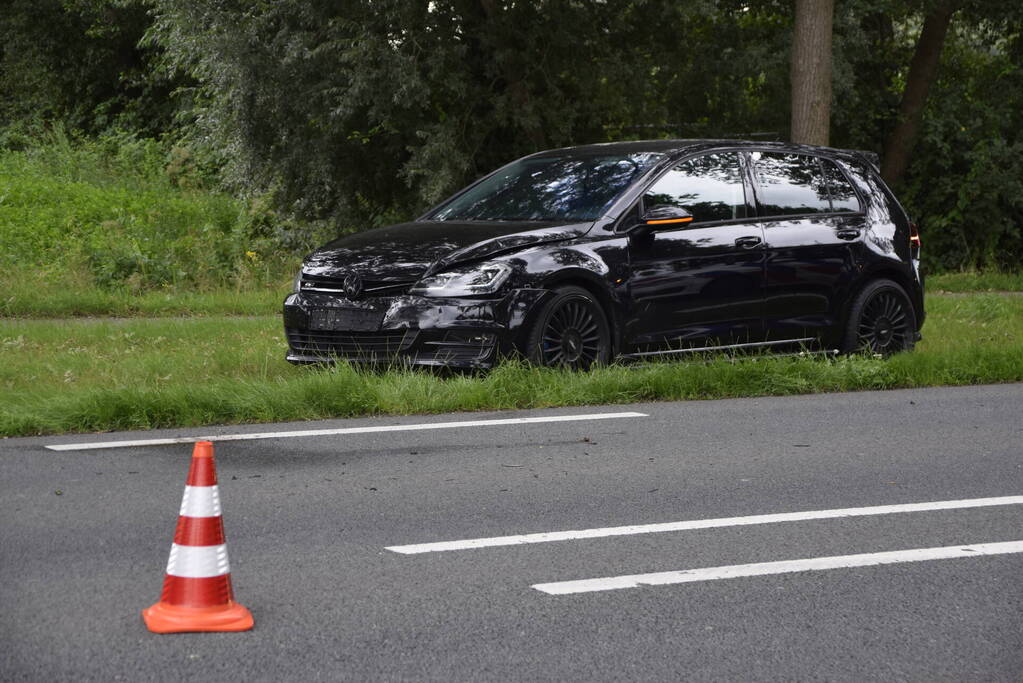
(576, 256)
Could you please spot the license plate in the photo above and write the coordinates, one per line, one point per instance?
(345, 319)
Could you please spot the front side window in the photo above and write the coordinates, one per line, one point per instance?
(790, 184)
(709, 187)
(549, 188)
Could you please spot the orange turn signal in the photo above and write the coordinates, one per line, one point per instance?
(687, 219)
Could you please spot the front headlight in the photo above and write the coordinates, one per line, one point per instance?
(296, 284)
(481, 278)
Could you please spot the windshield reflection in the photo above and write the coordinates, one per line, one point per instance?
(550, 188)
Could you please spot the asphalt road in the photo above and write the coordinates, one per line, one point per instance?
(84, 537)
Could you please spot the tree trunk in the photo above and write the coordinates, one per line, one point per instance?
(922, 72)
(811, 72)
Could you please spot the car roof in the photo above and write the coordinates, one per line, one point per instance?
(675, 148)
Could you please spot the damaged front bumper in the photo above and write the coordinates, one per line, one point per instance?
(407, 329)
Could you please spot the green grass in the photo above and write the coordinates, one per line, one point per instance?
(40, 298)
(120, 225)
(973, 281)
(90, 375)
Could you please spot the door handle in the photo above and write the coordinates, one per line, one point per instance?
(848, 234)
(749, 242)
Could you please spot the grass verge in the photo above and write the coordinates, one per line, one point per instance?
(974, 281)
(94, 375)
(36, 297)
(120, 225)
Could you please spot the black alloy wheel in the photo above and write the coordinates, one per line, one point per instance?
(881, 321)
(571, 331)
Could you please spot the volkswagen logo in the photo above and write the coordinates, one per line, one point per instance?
(353, 286)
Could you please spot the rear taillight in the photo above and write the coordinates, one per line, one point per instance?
(914, 236)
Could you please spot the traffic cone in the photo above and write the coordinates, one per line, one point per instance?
(197, 592)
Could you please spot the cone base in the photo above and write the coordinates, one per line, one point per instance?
(164, 618)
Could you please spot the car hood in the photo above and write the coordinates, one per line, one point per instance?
(409, 250)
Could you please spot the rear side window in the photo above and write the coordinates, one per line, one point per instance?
(709, 187)
(880, 206)
(843, 196)
(790, 184)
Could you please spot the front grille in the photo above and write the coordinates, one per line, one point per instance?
(353, 346)
(370, 287)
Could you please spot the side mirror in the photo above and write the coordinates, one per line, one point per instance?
(661, 217)
(665, 214)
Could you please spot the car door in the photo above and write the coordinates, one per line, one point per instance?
(701, 282)
(812, 229)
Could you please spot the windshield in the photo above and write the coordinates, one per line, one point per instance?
(549, 188)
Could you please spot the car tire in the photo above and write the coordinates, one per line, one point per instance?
(881, 321)
(570, 331)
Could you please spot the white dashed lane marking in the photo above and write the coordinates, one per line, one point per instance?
(784, 567)
(579, 534)
(344, 430)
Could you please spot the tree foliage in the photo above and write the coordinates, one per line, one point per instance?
(966, 177)
(78, 63)
(378, 108)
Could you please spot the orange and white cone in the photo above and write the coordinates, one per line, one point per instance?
(197, 593)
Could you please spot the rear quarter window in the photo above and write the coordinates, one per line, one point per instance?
(789, 184)
(880, 207)
(843, 196)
